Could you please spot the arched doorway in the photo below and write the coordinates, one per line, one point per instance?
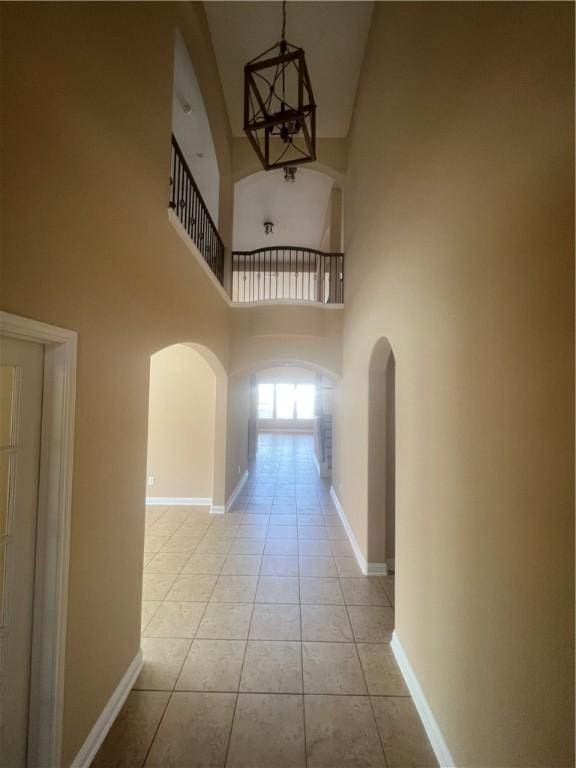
(382, 456)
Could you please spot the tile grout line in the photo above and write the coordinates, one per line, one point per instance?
(367, 690)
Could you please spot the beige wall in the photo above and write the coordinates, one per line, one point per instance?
(87, 245)
(459, 221)
(237, 432)
(181, 424)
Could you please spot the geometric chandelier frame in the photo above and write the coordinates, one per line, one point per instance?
(279, 107)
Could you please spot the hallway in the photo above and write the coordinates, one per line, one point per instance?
(264, 646)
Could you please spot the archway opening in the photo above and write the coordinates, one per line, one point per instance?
(382, 457)
(184, 486)
(293, 399)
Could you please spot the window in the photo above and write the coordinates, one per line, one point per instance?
(305, 401)
(286, 401)
(265, 401)
(285, 397)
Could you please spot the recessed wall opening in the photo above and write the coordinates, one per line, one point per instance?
(181, 428)
(382, 457)
(293, 399)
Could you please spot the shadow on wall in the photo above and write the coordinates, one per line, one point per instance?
(382, 455)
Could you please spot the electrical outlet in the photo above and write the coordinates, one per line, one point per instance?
(151, 480)
(238, 468)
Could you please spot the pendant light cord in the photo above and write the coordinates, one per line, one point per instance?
(283, 20)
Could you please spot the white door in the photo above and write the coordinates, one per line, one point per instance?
(21, 374)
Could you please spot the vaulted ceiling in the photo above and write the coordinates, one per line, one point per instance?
(333, 35)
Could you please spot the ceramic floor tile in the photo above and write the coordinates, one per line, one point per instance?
(282, 532)
(242, 565)
(251, 532)
(234, 589)
(272, 667)
(129, 739)
(381, 670)
(212, 665)
(315, 532)
(332, 668)
(348, 566)
(225, 621)
(279, 565)
(363, 591)
(268, 732)
(163, 659)
(278, 589)
(336, 533)
(388, 585)
(204, 564)
(281, 547)
(155, 586)
(181, 544)
(341, 549)
(320, 591)
(167, 562)
(213, 547)
(194, 731)
(149, 608)
(314, 548)
(341, 732)
(371, 624)
(403, 737)
(247, 547)
(317, 566)
(175, 619)
(275, 622)
(154, 543)
(192, 588)
(327, 623)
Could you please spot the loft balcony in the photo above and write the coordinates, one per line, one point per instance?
(278, 274)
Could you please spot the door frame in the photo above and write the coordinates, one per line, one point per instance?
(53, 534)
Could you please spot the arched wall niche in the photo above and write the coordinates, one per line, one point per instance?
(382, 455)
(196, 389)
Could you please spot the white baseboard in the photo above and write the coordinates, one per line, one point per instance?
(377, 569)
(350, 533)
(235, 493)
(217, 509)
(437, 741)
(368, 569)
(178, 501)
(101, 727)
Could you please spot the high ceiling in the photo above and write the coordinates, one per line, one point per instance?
(298, 211)
(333, 35)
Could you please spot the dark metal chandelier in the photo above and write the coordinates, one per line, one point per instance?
(279, 108)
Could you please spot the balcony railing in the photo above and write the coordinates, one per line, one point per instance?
(187, 202)
(283, 273)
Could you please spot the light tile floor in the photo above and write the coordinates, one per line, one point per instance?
(264, 646)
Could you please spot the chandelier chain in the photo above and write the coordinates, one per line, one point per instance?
(283, 20)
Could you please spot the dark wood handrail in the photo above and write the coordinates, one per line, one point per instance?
(287, 273)
(189, 205)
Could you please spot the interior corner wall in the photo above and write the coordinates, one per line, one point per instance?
(181, 424)
(459, 249)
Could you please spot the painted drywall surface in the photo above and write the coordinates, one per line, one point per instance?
(269, 335)
(191, 127)
(459, 249)
(87, 245)
(181, 424)
(237, 430)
